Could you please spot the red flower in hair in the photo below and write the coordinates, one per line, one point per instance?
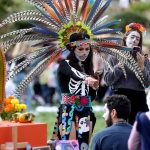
(137, 25)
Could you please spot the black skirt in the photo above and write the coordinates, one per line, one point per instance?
(82, 116)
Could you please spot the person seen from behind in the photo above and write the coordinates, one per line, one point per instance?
(116, 111)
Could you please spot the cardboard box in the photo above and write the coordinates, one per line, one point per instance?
(33, 133)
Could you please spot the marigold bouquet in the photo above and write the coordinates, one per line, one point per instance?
(11, 106)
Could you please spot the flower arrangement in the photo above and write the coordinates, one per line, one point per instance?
(11, 106)
(137, 26)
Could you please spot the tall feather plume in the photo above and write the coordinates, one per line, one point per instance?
(122, 51)
(59, 8)
(104, 61)
(100, 12)
(111, 44)
(31, 37)
(107, 31)
(50, 20)
(62, 7)
(16, 58)
(72, 16)
(117, 39)
(84, 10)
(36, 71)
(21, 32)
(70, 5)
(44, 27)
(54, 7)
(26, 18)
(25, 15)
(76, 6)
(100, 22)
(125, 58)
(106, 25)
(93, 10)
(32, 59)
(52, 13)
(67, 6)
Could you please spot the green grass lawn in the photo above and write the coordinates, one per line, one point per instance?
(49, 118)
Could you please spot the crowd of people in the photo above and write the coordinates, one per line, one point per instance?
(78, 78)
(127, 100)
(128, 105)
(120, 77)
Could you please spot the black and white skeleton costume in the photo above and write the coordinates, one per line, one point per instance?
(76, 104)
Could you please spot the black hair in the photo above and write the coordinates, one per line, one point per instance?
(121, 104)
(88, 63)
(127, 33)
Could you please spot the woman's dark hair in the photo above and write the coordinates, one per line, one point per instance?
(88, 63)
(127, 33)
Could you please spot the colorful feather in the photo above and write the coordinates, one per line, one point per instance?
(53, 22)
(67, 6)
(48, 17)
(84, 10)
(62, 7)
(58, 8)
(107, 31)
(93, 10)
(51, 12)
(76, 6)
(70, 5)
(100, 12)
(106, 25)
(54, 6)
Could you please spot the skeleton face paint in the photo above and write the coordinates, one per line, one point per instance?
(83, 125)
(82, 52)
(133, 39)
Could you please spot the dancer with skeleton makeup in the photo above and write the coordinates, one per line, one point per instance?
(76, 119)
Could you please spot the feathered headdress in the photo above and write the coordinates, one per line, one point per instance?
(53, 22)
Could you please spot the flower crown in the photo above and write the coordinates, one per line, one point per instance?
(73, 27)
(137, 26)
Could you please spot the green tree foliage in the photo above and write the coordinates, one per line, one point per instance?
(5, 7)
(8, 7)
(130, 16)
(140, 7)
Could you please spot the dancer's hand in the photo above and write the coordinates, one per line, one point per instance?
(92, 82)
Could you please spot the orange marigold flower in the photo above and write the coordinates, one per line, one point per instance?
(10, 106)
(7, 109)
(7, 101)
(10, 97)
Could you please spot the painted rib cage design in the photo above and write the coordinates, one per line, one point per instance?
(49, 20)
